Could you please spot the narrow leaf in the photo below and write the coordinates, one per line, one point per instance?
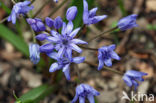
(15, 40)
(36, 94)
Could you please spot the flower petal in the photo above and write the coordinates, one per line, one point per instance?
(76, 48)
(73, 34)
(61, 52)
(78, 41)
(91, 98)
(101, 64)
(108, 62)
(96, 19)
(69, 27)
(78, 60)
(54, 67)
(66, 71)
(127, 80)
(114, 55)
(81, 99)
(92, 12)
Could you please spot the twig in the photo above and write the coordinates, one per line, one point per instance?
(95, 49)
(104, 32)
(41, 8)
(107, 68)
(13, 1)
(2, 21)
(57, 8)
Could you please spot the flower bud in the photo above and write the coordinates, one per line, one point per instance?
(71, 13)
(49, 22)
(36, 24)
(34, 53)
(127, 22)
(46, 48)
(41, 37)
(58, 22)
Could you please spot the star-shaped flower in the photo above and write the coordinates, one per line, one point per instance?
(89, 16)
(63, 63)
(83, 91)
(131, 76)
(20, 8)
(105, 54)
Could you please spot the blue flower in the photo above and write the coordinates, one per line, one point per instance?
(34, 53)
(41, 36)
(127, 22)
(131, 76)
(105, 54)
(20, 8)
(49, 22)
(83, 91)
(89, 17)
(71, 13)
(65, 42)
(36, 24)
(63, 63)
(58, 22)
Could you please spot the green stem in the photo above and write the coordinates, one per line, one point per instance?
(107, 68)
(57, 8)
(101, 34)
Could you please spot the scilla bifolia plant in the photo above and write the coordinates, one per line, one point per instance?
(61, 41)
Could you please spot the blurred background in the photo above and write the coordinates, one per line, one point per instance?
(136, 47)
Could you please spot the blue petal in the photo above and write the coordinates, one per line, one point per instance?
(135, 84)
(54, 67)
(63, 29)
(101, 64)
(75, 98)
(92, 12)
(71, 13)
(61, 52)
(78, 41)
(134, 73)
(114, 55)
(96, 19)
(108, 62)
(73, 34)
(66, 71)
(127, 80)
(53, 55)
(76, 48)
(81, 99)
(78, 60)
(41, 36)
(69, 53)
(69, 27)
(91, 98)
(54, 33)
(112, 47)
(52, 39)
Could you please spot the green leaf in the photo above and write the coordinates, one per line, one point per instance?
(15, 40)
(36, 94)
(122, 8)
(79, 3)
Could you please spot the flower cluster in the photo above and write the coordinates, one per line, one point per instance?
(61, 41)
(20, 8)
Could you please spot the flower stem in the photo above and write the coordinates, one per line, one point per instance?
(107, 68)
(101, 34)
(57, 8)
(95, 49)
(47, 2)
